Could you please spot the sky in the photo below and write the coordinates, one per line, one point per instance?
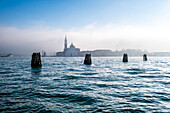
(28, 26)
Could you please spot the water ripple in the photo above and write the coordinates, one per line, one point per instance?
(66, 85)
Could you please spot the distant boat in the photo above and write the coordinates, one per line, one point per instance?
(9, 55)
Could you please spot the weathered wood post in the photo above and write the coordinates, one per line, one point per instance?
(36, 60)
(145, 57)
(125, 58)
(87, 60)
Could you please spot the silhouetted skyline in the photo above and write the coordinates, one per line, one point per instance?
(34, 26)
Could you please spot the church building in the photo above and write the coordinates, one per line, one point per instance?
(72, 51)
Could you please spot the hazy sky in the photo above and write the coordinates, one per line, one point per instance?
(35, 25)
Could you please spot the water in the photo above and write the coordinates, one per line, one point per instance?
(66, 85)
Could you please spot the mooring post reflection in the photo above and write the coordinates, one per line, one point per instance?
(35, 70)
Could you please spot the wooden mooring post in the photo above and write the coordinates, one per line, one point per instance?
(36, 60)
(145, 57)
(125, 58)
(87, 60)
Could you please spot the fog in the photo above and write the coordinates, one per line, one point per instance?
(115, 37)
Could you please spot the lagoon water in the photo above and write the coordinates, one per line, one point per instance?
(66, 85)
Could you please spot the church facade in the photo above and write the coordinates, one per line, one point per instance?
(72, 51)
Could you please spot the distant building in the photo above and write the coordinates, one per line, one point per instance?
(60, 54)
(98, 53)
(44, 54)
(72, 51)
(163, 54)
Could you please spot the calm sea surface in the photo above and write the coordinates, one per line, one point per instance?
(66, 85)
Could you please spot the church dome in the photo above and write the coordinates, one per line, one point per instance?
(72, 46)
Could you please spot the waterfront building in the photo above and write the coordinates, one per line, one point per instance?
(44, 54)
(72, 51)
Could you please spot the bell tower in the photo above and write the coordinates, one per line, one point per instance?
(65, 43)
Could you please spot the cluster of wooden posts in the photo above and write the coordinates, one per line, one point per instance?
(36, 59)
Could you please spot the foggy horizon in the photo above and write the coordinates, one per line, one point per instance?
(27, 26)
(81, 56)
